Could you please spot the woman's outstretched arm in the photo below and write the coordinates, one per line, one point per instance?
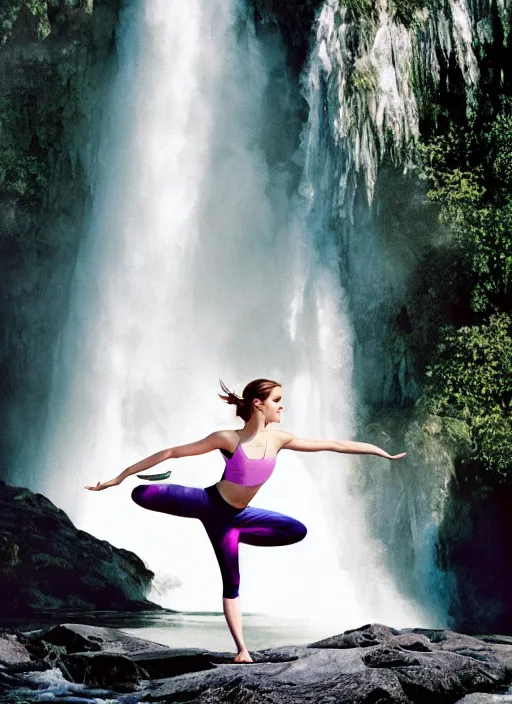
(214, 441)
(346, 446)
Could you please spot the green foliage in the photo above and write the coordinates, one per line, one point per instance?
(471, 379)
(34, 13)
(364, 77)
(405, 11)
(498, 140)
(37, 18)
(470, 176)
(469, 375)
(39, 11)
(361, 8)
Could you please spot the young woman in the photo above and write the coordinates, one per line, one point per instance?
(223, 508)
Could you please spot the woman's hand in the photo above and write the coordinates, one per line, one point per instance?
(396, 457)
(99, 486)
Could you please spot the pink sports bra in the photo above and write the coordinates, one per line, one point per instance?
(246, 471)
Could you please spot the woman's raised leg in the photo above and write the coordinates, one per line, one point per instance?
(258, 526)
(174, 499)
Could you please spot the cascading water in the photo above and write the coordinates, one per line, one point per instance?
(201, 263)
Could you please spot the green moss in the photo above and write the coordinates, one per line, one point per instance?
(407, 11)
(458, 432)
(361, 8)
(364, 78)
(31, 15)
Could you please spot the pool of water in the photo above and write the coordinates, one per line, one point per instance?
(209, 631)
(185, 629)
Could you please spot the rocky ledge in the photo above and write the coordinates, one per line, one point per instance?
(46, 563)
(374, 664)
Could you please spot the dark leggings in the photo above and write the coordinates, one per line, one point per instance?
(225, 525)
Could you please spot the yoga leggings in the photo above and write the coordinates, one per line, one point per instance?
(225, 525)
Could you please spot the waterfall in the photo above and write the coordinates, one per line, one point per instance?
(208, 255)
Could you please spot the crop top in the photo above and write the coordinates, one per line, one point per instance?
(246, 471)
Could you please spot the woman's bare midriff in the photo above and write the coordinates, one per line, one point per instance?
(235, 494)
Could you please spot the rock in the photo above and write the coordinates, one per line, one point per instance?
(411, 641)
(362, 637)
(388, 666)
(356, 688)
(70, 639)
(57, 566)
(12, 652)
(400, 667)
(229, 694)
(157, 660)
(474, 547)
(77, 638)
(503, 640)
(110, 670)
(174, 662)
(480, 698)
(462, 644)
(438, 675)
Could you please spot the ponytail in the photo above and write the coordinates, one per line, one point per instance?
(257, 389)
(232, 399)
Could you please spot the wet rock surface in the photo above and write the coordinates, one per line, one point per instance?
(374, 664)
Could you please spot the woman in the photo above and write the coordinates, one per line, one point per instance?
(250, 455)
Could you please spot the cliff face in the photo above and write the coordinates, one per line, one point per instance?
(295, 19)
(55, 63)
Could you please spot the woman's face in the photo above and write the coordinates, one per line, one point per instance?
(272, 406)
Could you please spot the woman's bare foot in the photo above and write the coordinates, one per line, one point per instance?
(243, 656)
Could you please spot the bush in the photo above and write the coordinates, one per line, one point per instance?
(471, 379)
(470, 176)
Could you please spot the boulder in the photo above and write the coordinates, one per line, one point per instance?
(12, 652)
(481, 698)
(362, 637)
(387, 667)
(437, 676)
(46, 563)
(109, 670)
(79, 638)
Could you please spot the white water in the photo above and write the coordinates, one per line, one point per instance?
(198, 264)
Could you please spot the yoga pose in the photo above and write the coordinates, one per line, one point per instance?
(250, 455)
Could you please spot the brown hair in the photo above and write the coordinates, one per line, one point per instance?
(257, 389)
